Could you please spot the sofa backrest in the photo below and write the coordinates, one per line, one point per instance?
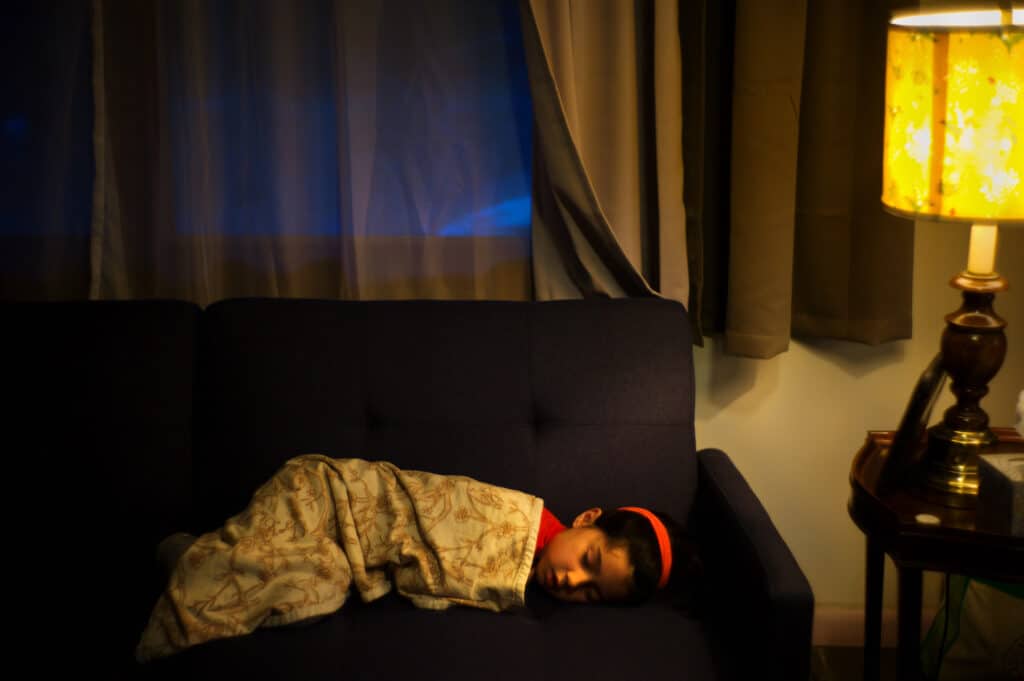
(580, 402)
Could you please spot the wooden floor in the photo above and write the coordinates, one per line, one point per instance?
(847, 664)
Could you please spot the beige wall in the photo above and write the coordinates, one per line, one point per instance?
(793, 423)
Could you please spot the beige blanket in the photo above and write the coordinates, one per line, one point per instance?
(321, 525)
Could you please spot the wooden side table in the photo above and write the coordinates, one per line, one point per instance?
(954, 545)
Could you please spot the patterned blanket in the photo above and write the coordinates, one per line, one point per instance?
(321, 525)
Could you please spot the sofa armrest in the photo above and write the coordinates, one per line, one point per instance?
(757, 599)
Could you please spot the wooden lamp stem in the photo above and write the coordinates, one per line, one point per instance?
(973, 350)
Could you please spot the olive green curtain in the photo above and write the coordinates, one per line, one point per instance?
(811, 252)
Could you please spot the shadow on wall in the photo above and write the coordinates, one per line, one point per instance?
(857, 360)
(729, 377)
(725, 379)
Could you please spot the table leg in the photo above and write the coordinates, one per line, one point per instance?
(910, 624)
(873, 609)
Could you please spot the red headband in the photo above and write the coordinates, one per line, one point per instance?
(664, 545)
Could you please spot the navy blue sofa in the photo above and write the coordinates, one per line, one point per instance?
(160, 416)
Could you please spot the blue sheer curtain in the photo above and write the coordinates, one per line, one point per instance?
(315, 148)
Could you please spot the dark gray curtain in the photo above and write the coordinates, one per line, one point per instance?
(781, 112)
(608, 214)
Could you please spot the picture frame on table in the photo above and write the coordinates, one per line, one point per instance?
(909, 441)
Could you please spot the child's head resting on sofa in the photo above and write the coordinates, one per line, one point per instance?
(616, 557)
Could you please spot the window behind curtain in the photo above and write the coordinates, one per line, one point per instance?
(444, 84)
(374, 139)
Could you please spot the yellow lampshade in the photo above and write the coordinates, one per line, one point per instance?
(954, 117)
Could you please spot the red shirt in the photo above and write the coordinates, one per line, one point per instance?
(549, 527)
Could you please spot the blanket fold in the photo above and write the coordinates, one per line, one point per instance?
(320, 526)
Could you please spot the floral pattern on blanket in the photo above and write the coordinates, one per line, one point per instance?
(322, 525)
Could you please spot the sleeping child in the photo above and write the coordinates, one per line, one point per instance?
(320, 526)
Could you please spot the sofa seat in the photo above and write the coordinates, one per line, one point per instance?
(391, 639)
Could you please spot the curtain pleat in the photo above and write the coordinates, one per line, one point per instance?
(767, 77)
(129, 204)
(673, 275)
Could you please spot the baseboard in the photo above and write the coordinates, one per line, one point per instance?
(837, 626)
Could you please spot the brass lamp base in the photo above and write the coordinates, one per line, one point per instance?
(973, 349)
(950, 467)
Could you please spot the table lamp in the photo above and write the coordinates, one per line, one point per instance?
(954, 151)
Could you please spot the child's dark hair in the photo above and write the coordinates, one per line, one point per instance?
(634, 532)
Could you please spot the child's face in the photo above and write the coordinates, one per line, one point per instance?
(580, 565)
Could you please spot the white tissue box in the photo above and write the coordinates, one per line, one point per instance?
(1001, 493)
